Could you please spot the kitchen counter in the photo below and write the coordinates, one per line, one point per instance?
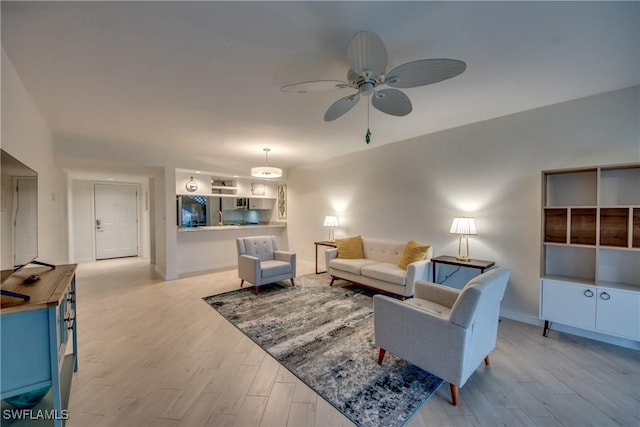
(209, 248)
(232, 227)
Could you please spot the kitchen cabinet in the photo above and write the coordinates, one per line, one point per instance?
(263, 203)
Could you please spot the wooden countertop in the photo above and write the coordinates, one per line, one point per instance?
(44, 292)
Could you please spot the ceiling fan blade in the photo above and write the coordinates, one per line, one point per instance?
(392, 101)
(424, 72)
(341, 106)
(366, 52)
(315, 86)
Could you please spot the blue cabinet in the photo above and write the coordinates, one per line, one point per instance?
(39, 339)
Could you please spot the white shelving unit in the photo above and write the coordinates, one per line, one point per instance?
(590, 260)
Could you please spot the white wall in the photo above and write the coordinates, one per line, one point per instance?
(489, 170)
(81, 220)
(27, 137)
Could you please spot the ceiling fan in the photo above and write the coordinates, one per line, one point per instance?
(367, 58)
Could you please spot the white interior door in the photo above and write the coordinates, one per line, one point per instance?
(25, 232)
(116, 207)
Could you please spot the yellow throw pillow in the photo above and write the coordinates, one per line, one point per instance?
(350, 248)
(413, 252)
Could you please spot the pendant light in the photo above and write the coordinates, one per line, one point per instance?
(266, 171)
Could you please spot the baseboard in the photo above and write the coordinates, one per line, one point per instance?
(558, 327)
(523, 318)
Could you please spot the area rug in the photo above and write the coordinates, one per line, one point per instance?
(324, 336)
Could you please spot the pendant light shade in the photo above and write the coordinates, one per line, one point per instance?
(266, 171)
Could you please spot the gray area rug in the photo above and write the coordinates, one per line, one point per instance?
(324, 336)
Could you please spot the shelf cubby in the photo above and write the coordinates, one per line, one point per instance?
(571, 188)
(570, 262)
(555, 230)
(620, 186)
(614, 227)
(636, 228)
(619, 266)
(583, 226)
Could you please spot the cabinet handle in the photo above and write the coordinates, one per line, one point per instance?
(588, 293)
(69, 321)
(605, 296)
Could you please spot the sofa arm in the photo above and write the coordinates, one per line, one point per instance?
(249, 268)
(286, 256)
(330, 254)
(418, 270)
(443, 295)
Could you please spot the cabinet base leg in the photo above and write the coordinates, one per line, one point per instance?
(547, 326)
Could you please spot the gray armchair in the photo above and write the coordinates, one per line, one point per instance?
(260, 262)
(445, 331)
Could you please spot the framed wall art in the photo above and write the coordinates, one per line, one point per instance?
(282, 201)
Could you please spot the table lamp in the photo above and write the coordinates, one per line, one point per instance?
(463, 226)
(331, 222)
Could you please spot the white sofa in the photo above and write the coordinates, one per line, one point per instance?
(379, 267)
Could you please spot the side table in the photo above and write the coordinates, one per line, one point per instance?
(323, 243)
(451, 260)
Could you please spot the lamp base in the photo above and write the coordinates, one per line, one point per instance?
(463, 248)
(461, 258)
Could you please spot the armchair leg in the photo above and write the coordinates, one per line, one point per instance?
(242, 283)
(454, 394)
(487, 362)
(332, 280)
(381, 354)
(255, 290)
(292, 282)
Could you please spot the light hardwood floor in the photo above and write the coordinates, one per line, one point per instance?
(152, 353)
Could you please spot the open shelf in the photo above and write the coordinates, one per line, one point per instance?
(619, 186)
(570, 261)
(636, 228)
(555, 230)
(571, 188)
(583, 226)
(614, 227)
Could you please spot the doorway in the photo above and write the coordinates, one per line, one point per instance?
(116, 220)
(25, 219)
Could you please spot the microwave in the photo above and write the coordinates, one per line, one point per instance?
(242, 203)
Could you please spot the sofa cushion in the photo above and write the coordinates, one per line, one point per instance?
(386, 272)
(274, 268)
(382, 250)
(350, 265)
(350, 247)
(430, 306)
(413, 252)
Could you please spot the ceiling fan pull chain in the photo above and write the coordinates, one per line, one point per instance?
(367, 136)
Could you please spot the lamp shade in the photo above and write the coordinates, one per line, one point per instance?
(266, 171)
(330, 221)
(464, 226)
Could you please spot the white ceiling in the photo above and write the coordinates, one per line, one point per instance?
(201, 80)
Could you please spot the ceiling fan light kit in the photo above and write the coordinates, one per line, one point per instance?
(367, 59)
(266, 171)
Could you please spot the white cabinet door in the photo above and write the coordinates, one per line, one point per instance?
(228, 203)
(261, 203)
(569, 303)
(618, 312)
